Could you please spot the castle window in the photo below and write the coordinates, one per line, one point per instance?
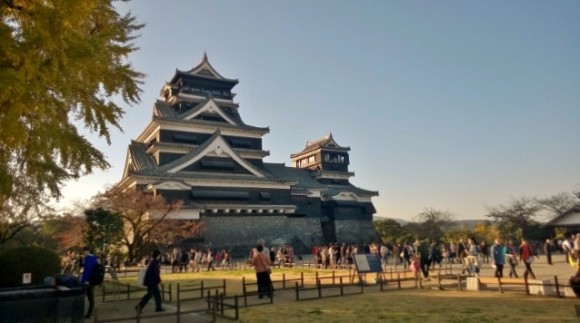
(184, 138)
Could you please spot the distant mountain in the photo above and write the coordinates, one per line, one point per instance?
(470, 224)
(380, 218)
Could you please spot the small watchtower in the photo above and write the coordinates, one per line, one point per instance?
(326, 159)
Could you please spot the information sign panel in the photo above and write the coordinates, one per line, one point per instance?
(367, 263)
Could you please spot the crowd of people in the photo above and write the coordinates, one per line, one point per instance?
(421, 256)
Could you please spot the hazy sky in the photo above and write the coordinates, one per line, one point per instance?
(455, 105)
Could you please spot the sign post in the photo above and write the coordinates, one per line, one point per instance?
(367, 263)
(26, 278)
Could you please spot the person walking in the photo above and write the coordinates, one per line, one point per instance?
(527, 256)
(209, 259)
(422, 251)
(510, 252)
(497, 257)
(548, 251)
(89, 264)
(152, 281)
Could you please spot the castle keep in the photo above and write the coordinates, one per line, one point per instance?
(198, 149)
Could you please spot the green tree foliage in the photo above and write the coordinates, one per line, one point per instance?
(389, 230)
(61, 63)
(40, 262)
(487, 231)
(104, 229)
(458, 232)
(433, 223)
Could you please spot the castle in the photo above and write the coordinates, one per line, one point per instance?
(197, 149)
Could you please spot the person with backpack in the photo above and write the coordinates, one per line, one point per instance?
(90, 263)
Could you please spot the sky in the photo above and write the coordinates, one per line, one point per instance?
(451, 105)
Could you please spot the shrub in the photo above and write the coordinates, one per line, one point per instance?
(39, 262)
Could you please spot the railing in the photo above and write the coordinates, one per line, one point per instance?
(201, 289)
(126, 292)
(218, 305)
(320, 287)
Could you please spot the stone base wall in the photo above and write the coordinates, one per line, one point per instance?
(355, 231)
(240, 233)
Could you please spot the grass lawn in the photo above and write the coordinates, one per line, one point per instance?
(407, 305)
(414, 305)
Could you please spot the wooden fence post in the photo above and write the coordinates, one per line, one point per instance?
(236, 308)
(209, 301)
(214, 308)
(244, 291)
(319, 289)
(202, 288)
(399, 280)
(283, 280)
(178, 304)
(297, 292)
(341, 288)
(557, 286)
(302, 279)
(224, 286)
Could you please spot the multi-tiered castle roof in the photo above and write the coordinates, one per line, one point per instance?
(198, 149)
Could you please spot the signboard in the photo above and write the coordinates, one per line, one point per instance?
(367, 263)
(26, 278)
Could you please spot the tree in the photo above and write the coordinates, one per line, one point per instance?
(172, 231)
(141, 211)
(458, 232)
(389, 230)
(65, 231)
(487, 231)
(558, 203)
(103, 229)
(61, 64)
(433, 223)
(515, 218)
(20, 211)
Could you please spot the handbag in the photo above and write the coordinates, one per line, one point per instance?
(141, 276)
(529, 260)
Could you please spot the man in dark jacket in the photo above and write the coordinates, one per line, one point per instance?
(89, 263)
(152, 281)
